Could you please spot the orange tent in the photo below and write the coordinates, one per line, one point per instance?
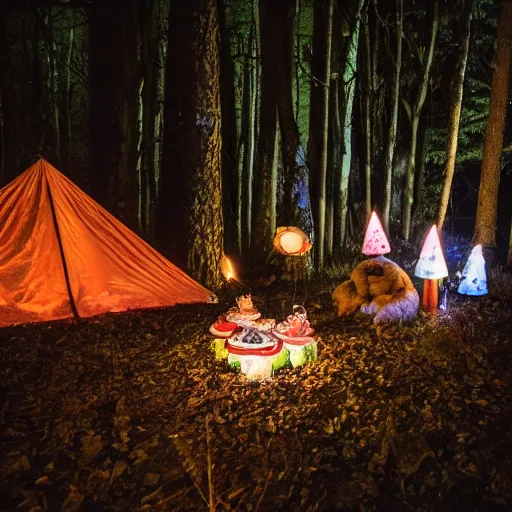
(63, 255)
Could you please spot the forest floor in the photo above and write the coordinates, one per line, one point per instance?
(131, 412)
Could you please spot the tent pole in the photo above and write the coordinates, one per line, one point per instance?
(61, 248)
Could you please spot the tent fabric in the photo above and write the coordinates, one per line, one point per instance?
(104, 265)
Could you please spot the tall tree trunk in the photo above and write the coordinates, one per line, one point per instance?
(254, 98)
(297, 52)
(53, 85)
(114, 85)
(191, 194)
(4, 66)
(390, 150)
(367, 115)
(264, 203)
(38, 105)
(487, 211)
(296, 205)
(317, 108)
(349, 85)
(229, 129)
(148, 57)
(334, 169)
(274, 176)
(415, 120)
(67, 98)
(322, 191)
(162, 14)
(455, 110)
(421, 150)
(243, 148)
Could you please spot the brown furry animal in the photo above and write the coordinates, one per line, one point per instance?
(378, 286)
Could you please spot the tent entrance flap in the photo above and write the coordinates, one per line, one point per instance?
(61, 249)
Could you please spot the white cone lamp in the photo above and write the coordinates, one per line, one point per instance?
(431, 267)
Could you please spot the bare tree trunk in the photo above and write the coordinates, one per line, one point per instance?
(487, 210)
(191, 194)
(390, 150)
(243, 148)
(317, 107)
(367, 116)
(52, 61)
(4, 59)
(297, 62)
(114, 82)
(254, 88)
(229, 129)
(147, 106)
(322, 190)
(67, 132)
(415, 119)
(509, 256)
(421, 150)
(349, 85)
(264, 203)
(293, 153)
(334, 171)
(274, 176)
(455, 110)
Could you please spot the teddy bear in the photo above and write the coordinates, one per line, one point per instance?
(378, 286)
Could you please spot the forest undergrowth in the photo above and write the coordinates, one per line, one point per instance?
(132, 412)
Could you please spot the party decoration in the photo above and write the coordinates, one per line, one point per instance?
(296, 334)
(375, 241)
(431, 267)
(291, 241)
(474, 276)
(431, 264)
(257, 346)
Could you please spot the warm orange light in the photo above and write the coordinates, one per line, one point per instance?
(291, 241)
(226, 268)
(58, 247)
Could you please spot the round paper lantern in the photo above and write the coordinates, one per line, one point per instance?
(291, 241)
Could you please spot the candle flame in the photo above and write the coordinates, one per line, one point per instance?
(227, 268)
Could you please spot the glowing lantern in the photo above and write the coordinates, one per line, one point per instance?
(375, 240)
(474, 277)
(226, 268)
(291, 241)
(431, 266)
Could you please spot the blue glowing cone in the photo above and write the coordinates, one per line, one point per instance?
(474, 277)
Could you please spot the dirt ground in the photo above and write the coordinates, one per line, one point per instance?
(131, 412)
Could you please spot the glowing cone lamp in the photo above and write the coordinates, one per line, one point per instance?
(431, 267)
(291, 241)
(474, 277)
(375, 241)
